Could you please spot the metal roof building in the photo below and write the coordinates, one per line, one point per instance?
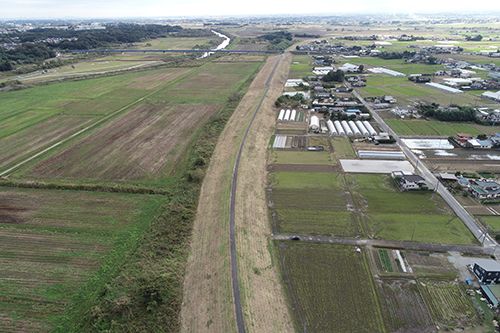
(381, 154)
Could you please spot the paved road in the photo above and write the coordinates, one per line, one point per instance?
(371, 242)
(232, 239)
(466, 218)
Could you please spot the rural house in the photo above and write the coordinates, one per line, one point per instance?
(485, 189)
(407, 181)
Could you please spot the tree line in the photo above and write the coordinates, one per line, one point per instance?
(35, 47)
(464, 113)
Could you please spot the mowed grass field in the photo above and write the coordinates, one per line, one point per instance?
(53, 242)
(321, 290)
(390, 214)
(312, 204)
(149, 141)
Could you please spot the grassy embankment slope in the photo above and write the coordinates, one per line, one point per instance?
(208, 303)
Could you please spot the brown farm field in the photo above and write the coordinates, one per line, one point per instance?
(53, 242)
(138, 145)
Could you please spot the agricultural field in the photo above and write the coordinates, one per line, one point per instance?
(428, 265)
(380, 203)
(148, 142)
(33, 118)
(300, 67)
(53, 242)
(448, 303)
(322, 294)
(301, 157)
(423, 127)
(403, 307)
(312, 204)
(342, 148)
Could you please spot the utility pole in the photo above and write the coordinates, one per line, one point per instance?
(485, 232)
(413, 233)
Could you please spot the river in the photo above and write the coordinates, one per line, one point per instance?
(221, 45)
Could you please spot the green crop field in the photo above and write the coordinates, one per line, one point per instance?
(399, 126)
(423, 127)
(383, 80)
(381, 204)
(312, 204)
(52, 242)
(301, 157)
(343, 148)
(321, 292)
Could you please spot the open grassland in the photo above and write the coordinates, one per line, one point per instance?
(53, 242)
(150, 141)
(33, 118)
(342, 148)
(93, 67)
(381, 204)
(312, 204)
(322, 294)
(301, 157)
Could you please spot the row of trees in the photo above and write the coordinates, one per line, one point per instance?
(464, 113)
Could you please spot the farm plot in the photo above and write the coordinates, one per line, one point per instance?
(323, 295)
(403, 308)
(301, 157)
(148, 142)
(37, 136)
(136, 146)
(343, 148)
(210, 84)
(448, 303)
(51, 242)
(312, 204)
(35, 117)
(425, 264)
(381, 205)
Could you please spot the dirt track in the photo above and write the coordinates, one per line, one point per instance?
(208, 303)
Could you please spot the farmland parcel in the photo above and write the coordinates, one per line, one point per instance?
(148, 142)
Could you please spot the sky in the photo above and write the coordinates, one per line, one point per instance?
(28, 9)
